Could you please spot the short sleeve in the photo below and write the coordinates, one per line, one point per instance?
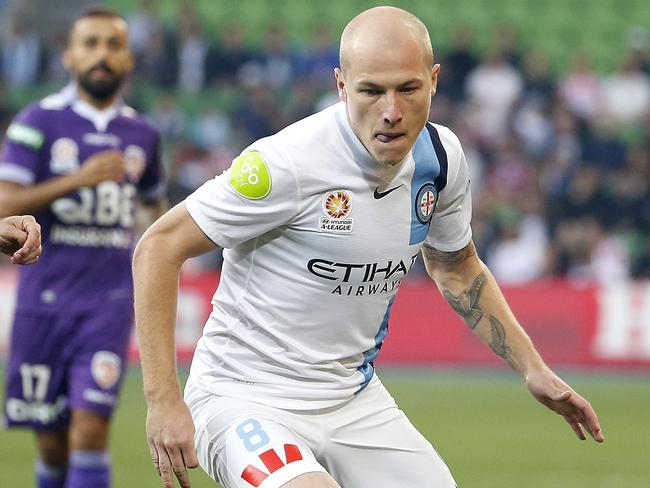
(258, 193)
(21, 152)
(450, 228)
(153, 186)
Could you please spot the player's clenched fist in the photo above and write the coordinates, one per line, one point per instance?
(20, 238)
(105, 165)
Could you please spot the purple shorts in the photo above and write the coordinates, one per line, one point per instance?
(64, 360)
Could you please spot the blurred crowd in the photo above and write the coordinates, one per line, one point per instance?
(559, 158)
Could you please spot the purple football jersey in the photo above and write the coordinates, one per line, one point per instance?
(87, 234)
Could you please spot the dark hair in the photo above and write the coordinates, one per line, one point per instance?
(95, 11)
(98, 11)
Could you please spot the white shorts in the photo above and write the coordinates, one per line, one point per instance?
(365, 443)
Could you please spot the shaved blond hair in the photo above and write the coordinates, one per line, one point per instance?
(386, 26)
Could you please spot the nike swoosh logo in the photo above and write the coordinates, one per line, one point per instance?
(381, 194)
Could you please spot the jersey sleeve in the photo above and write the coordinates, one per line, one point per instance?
(450, 228)
(153, 185)
(21, 152)
(258, 193)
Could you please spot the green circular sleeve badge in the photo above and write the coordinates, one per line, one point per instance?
(250, 177)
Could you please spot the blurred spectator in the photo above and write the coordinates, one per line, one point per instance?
(211, 128)
(626, 93)
(505, 41)
(192, 51)
(168, 118)
(602, 145)
(278, 61)
(580, 87)
(518, 255)
(21, 54)
(225, 60)
(539, 85)
(638, 44)
(317, 63)
(143, 23)
(257, 117)
(54, 67)
(534, 127)
(457, 63)
(157, 63)
(493, 87)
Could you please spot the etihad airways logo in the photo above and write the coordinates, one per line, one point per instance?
(358, 279)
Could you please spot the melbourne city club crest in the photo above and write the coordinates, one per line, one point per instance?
(337, 207)
(425, 202)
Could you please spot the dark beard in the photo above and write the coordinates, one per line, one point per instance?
(100, 90)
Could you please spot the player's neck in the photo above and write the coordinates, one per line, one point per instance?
(94, 102)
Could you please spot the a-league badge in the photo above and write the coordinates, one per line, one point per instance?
(425, 202)
(64, 156)
(337, 206)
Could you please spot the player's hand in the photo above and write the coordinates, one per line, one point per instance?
(170, 435)
(20, 238)
(550, 390)
(105, 165)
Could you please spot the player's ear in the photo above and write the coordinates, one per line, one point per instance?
(340, 84)
(435, 71)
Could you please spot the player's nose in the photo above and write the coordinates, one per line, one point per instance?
(392, 112)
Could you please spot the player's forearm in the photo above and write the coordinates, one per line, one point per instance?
(492, 320)
(471, 290)
(156, 291)
(18, 199)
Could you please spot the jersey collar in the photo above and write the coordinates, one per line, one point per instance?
(99, 118)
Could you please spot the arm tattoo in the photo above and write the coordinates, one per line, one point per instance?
(454, 257)
(466, 304)
(498, 343)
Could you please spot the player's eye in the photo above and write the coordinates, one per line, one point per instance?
(408, 89)
(114, 44)
(370, 91)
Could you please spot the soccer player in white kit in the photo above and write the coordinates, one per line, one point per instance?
(319, 225)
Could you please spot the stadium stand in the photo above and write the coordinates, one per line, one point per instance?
(561, 182)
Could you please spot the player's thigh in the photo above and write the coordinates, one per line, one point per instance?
(312, 480)
(97, 368)
(375, 445)
(36, 386)
(243, 444)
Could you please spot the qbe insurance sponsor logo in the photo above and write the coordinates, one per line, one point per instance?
(337, 206)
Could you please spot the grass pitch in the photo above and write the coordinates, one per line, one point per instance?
(487, 427)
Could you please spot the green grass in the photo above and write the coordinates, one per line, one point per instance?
(486, 426)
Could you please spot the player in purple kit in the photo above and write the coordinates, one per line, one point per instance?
(77, 160)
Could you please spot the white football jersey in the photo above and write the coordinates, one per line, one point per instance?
(317, 237)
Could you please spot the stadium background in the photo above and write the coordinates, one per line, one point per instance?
(551, 100)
